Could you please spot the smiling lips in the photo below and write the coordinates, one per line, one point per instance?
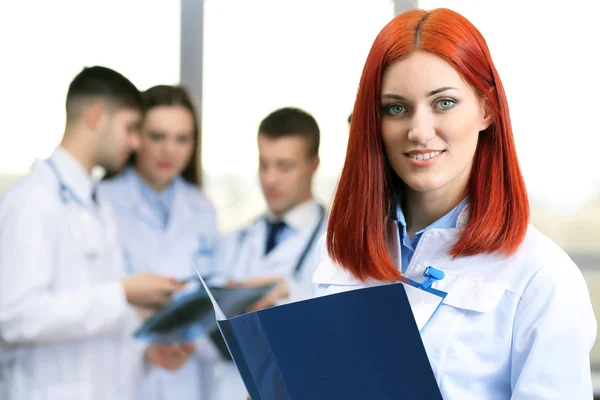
(424, 158)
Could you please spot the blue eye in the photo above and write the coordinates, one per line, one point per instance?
(445, 104)
(394, 109)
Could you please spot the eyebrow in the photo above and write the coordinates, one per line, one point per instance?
(177, 134)
(429, 94)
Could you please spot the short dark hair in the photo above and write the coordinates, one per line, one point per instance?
(98, 82)
(291, 121)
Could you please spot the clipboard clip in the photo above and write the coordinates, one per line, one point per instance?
(432, 275)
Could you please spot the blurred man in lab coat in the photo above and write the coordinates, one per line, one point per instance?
(67, 311)
(279, 246)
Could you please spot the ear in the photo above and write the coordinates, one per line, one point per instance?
(315, 160)
(487, 115)
(95, 116)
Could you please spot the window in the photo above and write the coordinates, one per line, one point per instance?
(52, 42)
(264, 54)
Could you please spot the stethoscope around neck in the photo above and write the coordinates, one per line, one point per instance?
(68, 196)
(242, 235)
(64, 192)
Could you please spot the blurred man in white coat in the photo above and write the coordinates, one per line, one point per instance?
(279, 246)
(67, 311)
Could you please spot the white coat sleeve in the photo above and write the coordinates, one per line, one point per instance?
(31, 309)
(553, 334)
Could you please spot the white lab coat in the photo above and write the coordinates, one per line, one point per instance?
(65, 324)
(170, 251)
(518, 328)
(240, 257)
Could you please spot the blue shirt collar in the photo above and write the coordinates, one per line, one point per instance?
(448, 221)
(159, 201)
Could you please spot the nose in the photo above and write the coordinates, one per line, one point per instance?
(422, 129)
(169, 147)
(269, 176)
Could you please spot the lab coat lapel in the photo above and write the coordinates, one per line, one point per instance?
(251, 251)
(179, 215)
(424, 304)
(187, 216)
(139, 205)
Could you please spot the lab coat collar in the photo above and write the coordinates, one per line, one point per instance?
(74, 175)
(299, 217)
(156, 199)
(182, 204)
(463, 217)
(137, 189)
(423, 304)
(335, 274)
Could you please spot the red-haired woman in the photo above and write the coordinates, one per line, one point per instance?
(431, 194)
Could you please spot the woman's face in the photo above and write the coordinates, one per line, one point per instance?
(167, 142)
(431, 119)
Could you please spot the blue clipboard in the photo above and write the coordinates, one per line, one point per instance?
(356, 345)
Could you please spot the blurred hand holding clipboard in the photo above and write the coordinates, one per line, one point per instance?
(191, 313)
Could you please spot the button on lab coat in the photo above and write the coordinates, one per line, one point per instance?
(518, 328)
(189, 237)
(65, 325)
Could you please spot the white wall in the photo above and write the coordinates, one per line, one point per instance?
(43, 45)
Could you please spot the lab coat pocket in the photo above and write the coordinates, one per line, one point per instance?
(73, 391)
(474, 306)
(470, 334)
(203, 256)
(472, 295)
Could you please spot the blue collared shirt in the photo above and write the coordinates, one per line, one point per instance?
(159, 202)
(408, 246)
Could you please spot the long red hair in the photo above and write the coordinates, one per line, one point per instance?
(498, 209)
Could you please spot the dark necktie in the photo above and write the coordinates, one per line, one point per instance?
(273, 229)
